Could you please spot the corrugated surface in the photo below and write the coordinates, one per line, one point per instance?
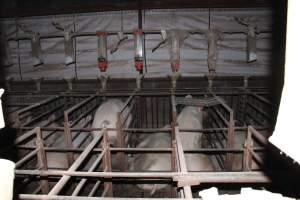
(232, 49)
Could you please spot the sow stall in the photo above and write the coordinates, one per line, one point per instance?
(89, 172)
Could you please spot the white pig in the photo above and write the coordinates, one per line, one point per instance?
(189, 118)
(59, 160)
(107, 114)
(153, 161)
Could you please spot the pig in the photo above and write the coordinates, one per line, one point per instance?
(107, 114)
(239, 141)
(189, 118)
(153, 161)
(58, 160)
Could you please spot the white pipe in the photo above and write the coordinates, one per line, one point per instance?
(2, 124)
(6, 179)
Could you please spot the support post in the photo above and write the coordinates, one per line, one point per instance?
(107, 163)
(68, 140)
(247, 156)
(42, 160)
(120, 142)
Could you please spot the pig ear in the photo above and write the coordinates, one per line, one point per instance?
(153, 190)
(200, 108)
(188, 96)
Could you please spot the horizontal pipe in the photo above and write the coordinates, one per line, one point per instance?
(140, 150)
(27, 158)
(62, 182)
(55, 197)
(205, 177)
(83, 181)
(85, 34)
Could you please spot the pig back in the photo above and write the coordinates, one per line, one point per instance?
(190, 118)
(107, 113)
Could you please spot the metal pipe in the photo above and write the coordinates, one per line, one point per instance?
(55, 197)
(59, 186)
(92, 168)
(26, 158)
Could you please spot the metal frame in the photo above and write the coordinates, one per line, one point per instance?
(99, 145)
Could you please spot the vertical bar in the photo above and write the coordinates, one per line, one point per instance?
(68, 142)
(42, 160)
(146, 113)
(182, 163)
(230, 142)
(173, 157)
(65, 178)
(107, 163)
(180, 153)
(247, 156)
(121, 143)
(152, 111)
(157, 113)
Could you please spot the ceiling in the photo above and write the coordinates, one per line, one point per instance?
(21, 8)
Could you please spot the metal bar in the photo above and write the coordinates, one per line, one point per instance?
(46, 101)
(55, 197)
(108, 188)
(83, 181)
(247, 157)
(42, 159)
(146, 150)
(26, 158)
(223, 177)
(262, 99)
(25, 136)
(59, 186)
(182, 163)
(207, 177)
(72, 109)
(94, 189)
(258, 136)
(85, 34)
(147, 130)
(259, 110)
(68, 142)
(42, 115)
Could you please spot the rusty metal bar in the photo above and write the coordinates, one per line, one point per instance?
(55, 197)
(27, 158)
(68, 142)
(59, 186)
(147, 130)
(182, 163)
(247, 157)
(258, 110)
(25, 136)
(41, 116)
(231, 134)
(222, 177)
(145, 150)
(19, 112)
(261, 139)
(262, 99)
(42, 159)
(92, 168)
(206, 177)
(108, 188)
(72, 109)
